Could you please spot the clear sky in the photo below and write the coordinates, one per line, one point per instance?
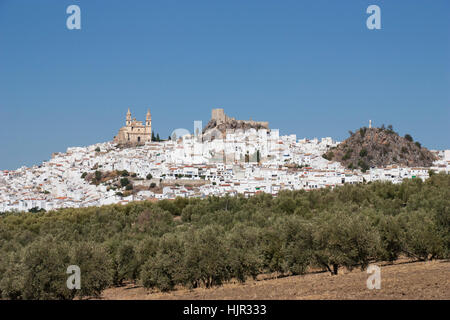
(308, 67)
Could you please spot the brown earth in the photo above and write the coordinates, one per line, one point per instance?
(403, 280)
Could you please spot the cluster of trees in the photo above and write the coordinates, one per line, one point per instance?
(156, 138)
(410, 139)
(390, 128)
(206, 242)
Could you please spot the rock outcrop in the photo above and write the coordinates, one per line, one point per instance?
(220, 121)
(379, 147)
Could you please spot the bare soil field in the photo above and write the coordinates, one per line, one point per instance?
(402, 280)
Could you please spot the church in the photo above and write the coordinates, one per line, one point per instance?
(134, 131)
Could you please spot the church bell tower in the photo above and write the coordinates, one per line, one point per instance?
(128, 122)
(148, 122)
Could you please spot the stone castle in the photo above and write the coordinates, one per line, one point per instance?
(220, 117)
(219, 120)
(134, 131)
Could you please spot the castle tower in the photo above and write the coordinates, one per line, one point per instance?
(218, 115)
(148, 122)
(128, 122)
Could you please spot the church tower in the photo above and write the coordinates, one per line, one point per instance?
(128, 122)
(148, 122)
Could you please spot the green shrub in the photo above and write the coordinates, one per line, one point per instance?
(363, 153)
(165, 270)
(422, 239)
(344, 240)
(124, 182)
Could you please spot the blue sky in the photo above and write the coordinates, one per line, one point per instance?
(308, 67)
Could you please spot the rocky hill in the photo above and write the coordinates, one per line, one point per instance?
(232, 124)
(379, 147)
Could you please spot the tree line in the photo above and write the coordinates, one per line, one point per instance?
(207, 242)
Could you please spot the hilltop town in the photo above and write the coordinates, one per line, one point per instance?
(245, 157)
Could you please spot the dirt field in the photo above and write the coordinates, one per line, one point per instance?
(416, 280)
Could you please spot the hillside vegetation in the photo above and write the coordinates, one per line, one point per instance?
(379, 147)
(203, 243)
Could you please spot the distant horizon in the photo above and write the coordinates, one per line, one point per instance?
(204, 124)
(310, 68)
